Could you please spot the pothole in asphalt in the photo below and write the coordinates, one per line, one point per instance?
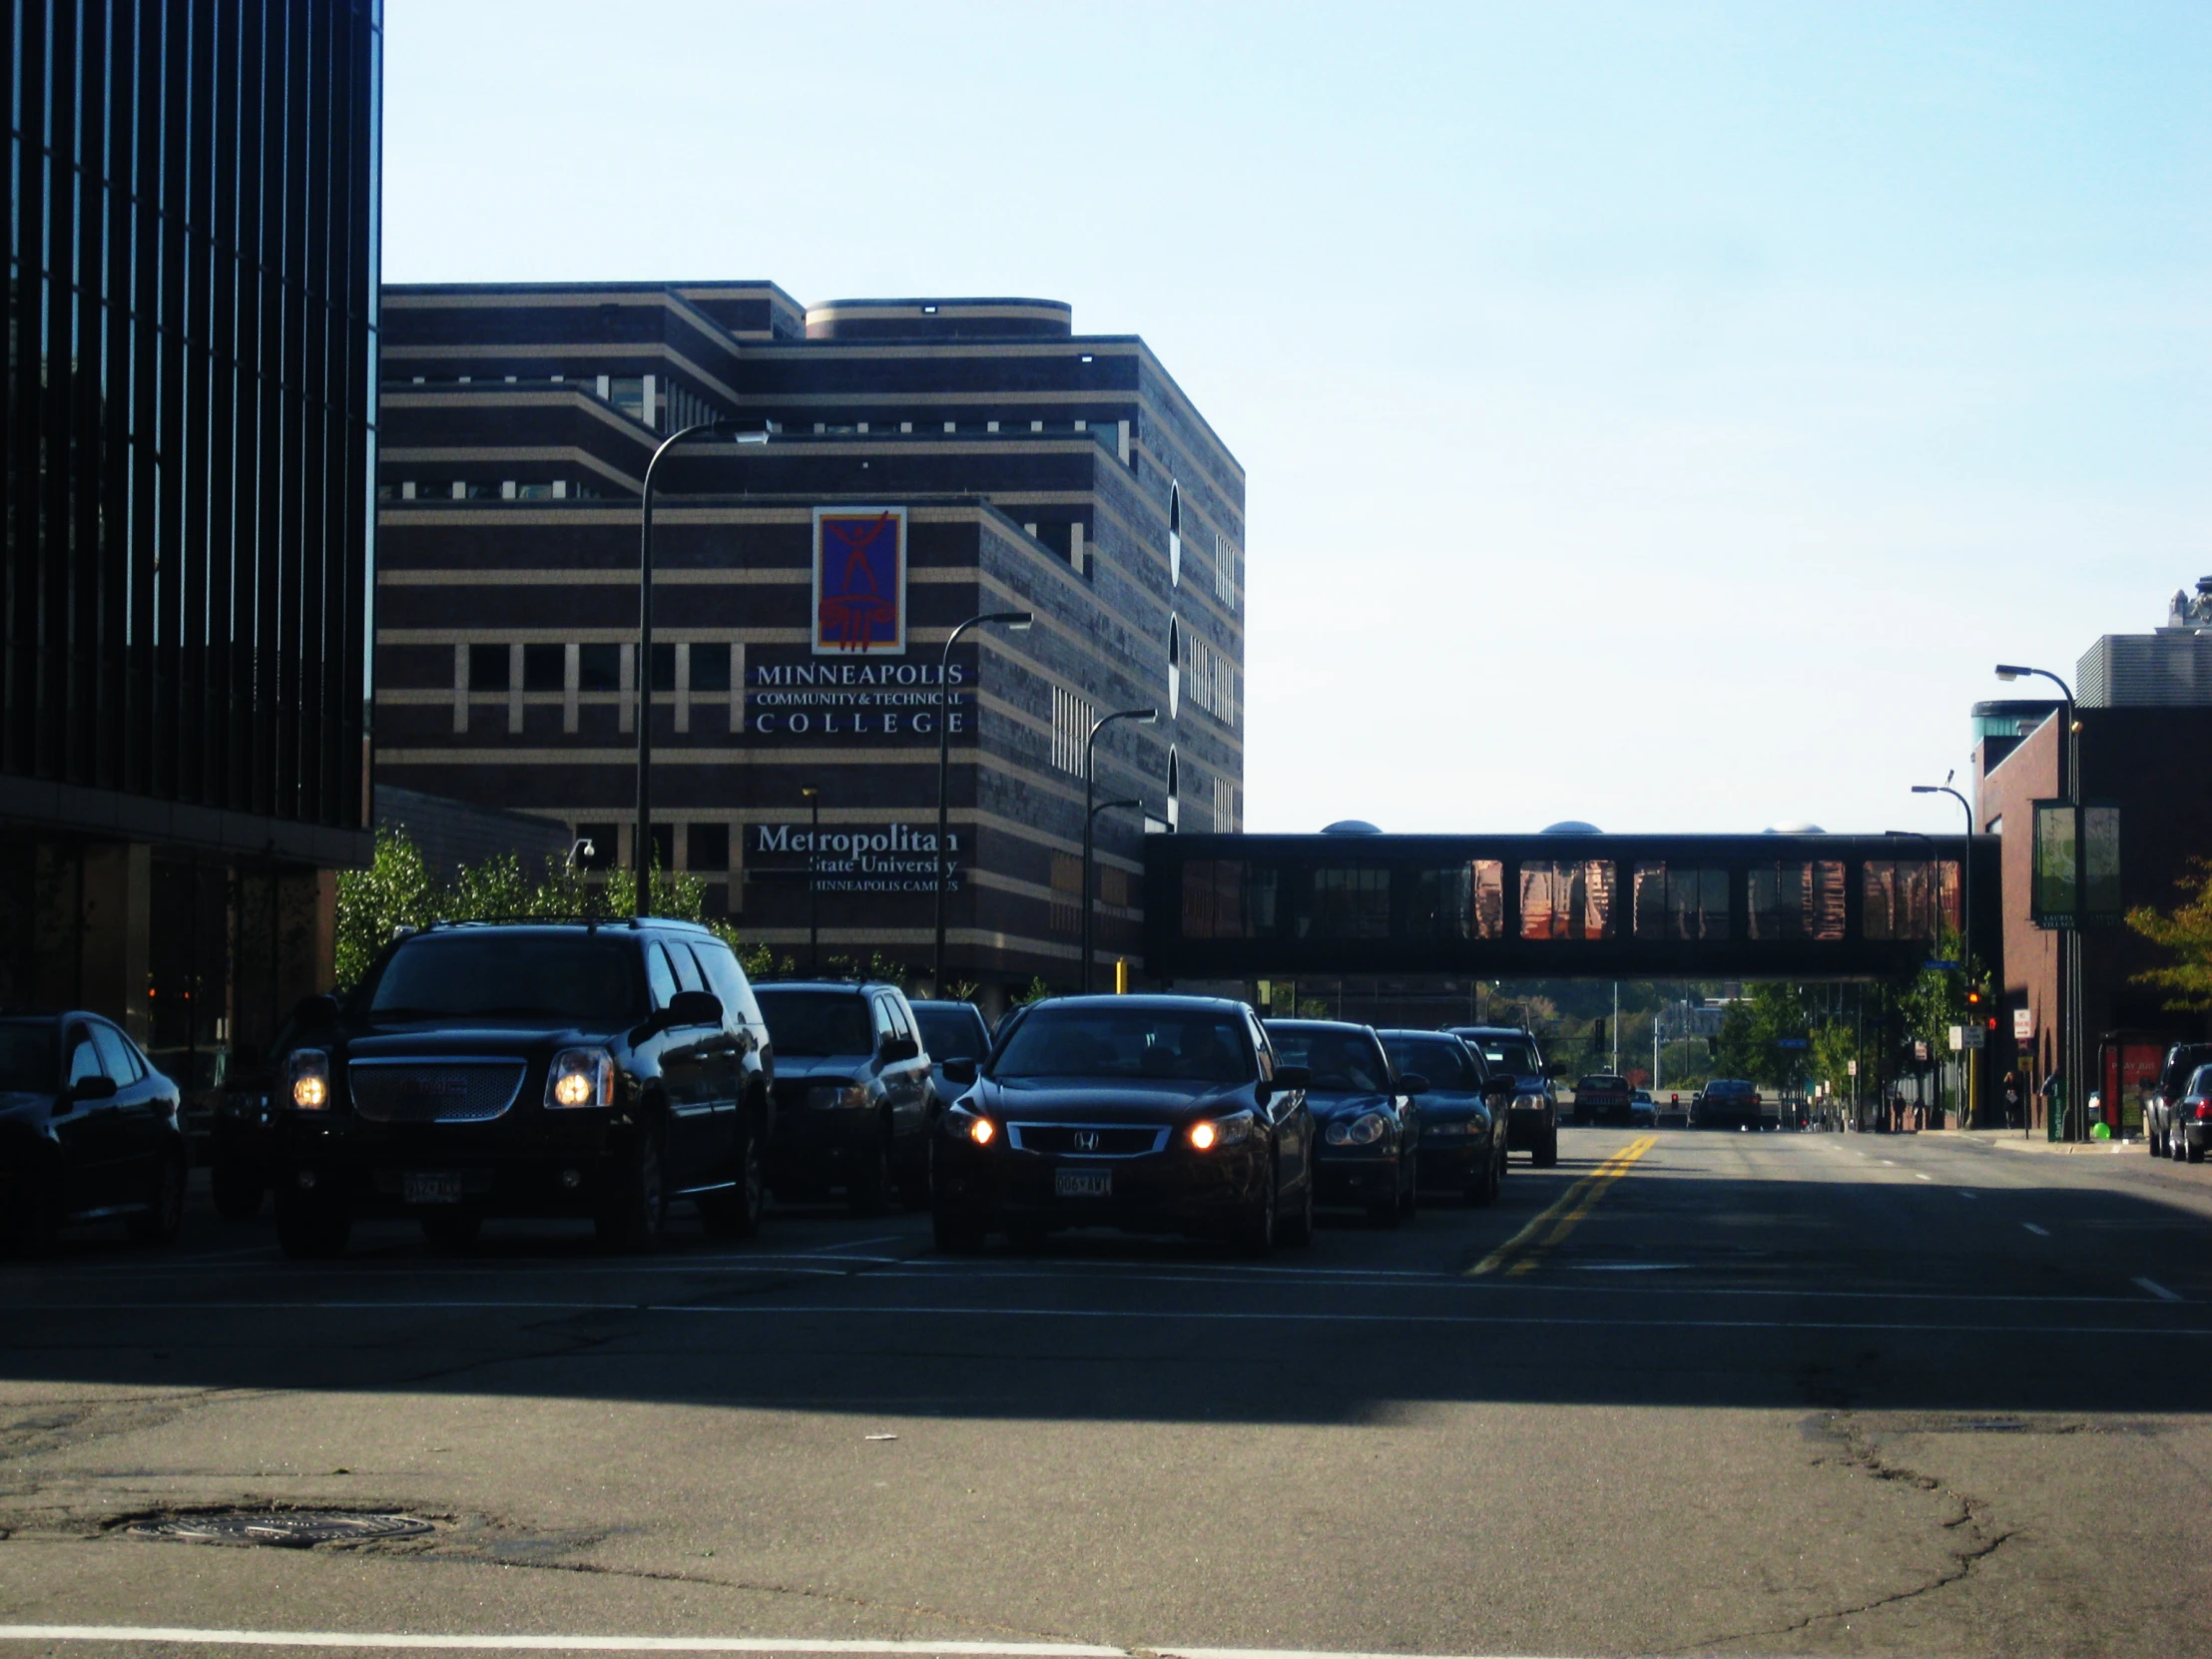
(279, 1529)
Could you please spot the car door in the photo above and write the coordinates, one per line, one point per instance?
(911, 1093)
(720, 1049)
(85, 1128)
(676, 1052)
(1286, 1111)
(137, 1122)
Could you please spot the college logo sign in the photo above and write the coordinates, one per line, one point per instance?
(859, 581)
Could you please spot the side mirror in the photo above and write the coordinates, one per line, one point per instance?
(1413, 1082)
(694, 1008)
(317, 1013)
(96, 1087)
(961, 1072)
(1294, 1077)
(895, 1049)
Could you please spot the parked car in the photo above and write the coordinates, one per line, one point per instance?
(854, 1093)
(2189, 1119)
(1367, 1118)
(1463, 1137)
(535, 1069)
(1643, 1112)
(1726, 1102)
(1602, 1098)
(1674, 1109)
(2160, 1105)
(1532, 1120)
(89, 1131)
(1152, 1114)
(950, 1031)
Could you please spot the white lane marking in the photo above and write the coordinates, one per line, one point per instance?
(1890, 1163)
(2157, 1290)
(1963, 1193)
(1917, 1176)
(536, 1644)
(2039, 1232)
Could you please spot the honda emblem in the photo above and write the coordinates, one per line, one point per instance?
(1086, 1140)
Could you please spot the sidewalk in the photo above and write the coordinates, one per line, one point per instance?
(2011, 1140)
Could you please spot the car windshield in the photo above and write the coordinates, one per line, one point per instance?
(1348, 1062)
(2200, 1082)
(568, 979)
(1511, 1054)
(1445, 1064)
(27, 1054)
(1175, 1044)
(816, 1022)
(951, 1033)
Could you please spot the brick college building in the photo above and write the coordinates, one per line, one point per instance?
(931, 460)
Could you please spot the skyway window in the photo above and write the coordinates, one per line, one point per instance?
(1902, 898)
(1566, 900)
(1681, 902)
(1795, 901)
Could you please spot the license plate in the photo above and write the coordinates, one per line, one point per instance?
(1083, 1183)
(432, 1186)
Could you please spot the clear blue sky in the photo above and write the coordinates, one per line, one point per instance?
(1655, 415)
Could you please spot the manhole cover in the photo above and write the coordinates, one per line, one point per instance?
(297, 1529)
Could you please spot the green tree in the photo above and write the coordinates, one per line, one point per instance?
(395, 891)
(2186, 931)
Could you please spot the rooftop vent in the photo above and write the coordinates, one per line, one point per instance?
(1572, 826)
(1351, 827)
(889, 319)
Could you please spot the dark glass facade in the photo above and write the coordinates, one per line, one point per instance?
(189, 431)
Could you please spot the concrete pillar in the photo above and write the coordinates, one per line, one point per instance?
(115, 918)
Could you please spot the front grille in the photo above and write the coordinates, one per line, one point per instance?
(435, 1092)
(1087, 1139)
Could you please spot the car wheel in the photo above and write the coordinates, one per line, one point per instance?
(1298, 1229)
(637, 1208)
(452, 1230)
(237, 1191)
(1546, 1154)
(735, 1212)
(2194, 1151)
(868, 1190)
(164, 1214)
(957, 1230)
(310, 1228)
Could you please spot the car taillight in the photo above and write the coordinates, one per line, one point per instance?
(2204, 1111)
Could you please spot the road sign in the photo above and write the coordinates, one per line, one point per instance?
(1958, 1038)
(2023, 1025)
(1920, 1048)
(1851, 1068)
(1792, 1042)
(1939, 964)
(1977, 1036)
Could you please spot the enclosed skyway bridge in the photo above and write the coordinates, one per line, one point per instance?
(1554, 905)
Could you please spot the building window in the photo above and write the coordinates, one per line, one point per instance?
(1794, 900)
(1072, 726)
(543, 668)
(1681, 902)
(1225, 807)
(1174, 534)
(1212, 677)
(1227, 898)
(710, 668)
(1067, 894)
(1175, 789)
(707, 847)
(1458, 902)
(488, 667)
(1351, 903)
(664, 665)
(1175, 668)
(1902, 898)
(1561, 900)
(599, 667)
(1224, 570)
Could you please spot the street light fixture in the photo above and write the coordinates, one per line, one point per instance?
(1143, 717)
(2075, 1080)
(743, 434)
(1016, 622)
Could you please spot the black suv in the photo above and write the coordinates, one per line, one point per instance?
(1532, 1122)
(594, 1069)
(2160, 1119)
(854, 1093)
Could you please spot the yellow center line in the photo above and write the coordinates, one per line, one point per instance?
(1565, 1211)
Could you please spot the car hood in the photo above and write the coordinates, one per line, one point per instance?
(1097, 1099)
(800, 1067)
(27, 1103)
(1451, 1105)
(1330, 1104)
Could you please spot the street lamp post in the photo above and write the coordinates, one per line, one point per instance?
(644, 848)
(1143, 717)
(1965, 930)
(813, 797)
(2073, 1080)
(1017, 621)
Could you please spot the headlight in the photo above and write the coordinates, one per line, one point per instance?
(1528, 1103)
(1363, 1130)
(1209, 1134)
(826, 1096)
(310, 1079)
(580, 1077)
(980, 1130)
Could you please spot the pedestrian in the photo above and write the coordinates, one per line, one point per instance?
(2012, 1100)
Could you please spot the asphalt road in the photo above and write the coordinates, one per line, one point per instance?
(1687, 1393)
